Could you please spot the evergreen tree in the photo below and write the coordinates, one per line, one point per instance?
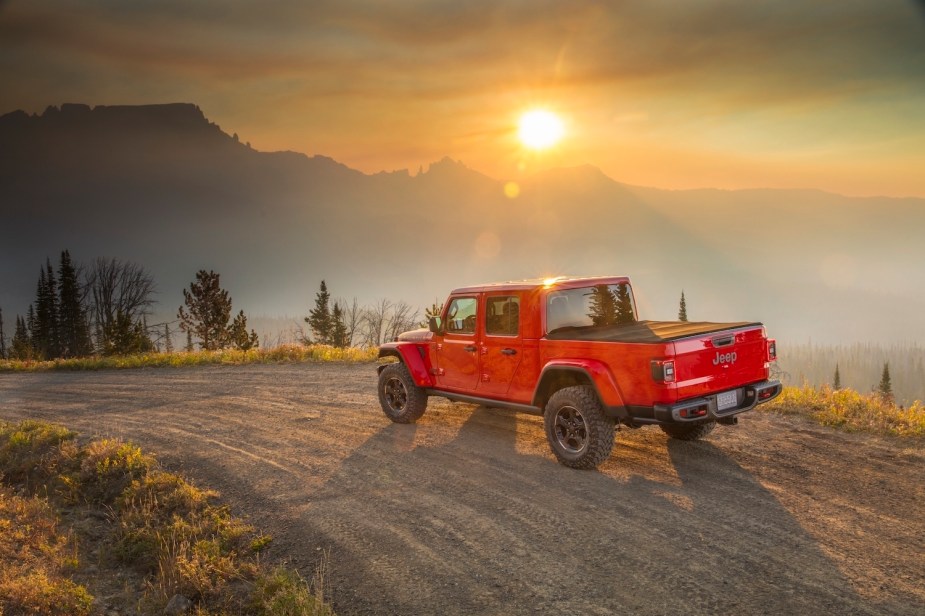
(39, 319)
(682, 310)
(54, 339)
(209, 311)
(319, 318)
(885, 388)
(3, 349)
(836, 385)
(124, 336)
(339, 333)
(73, 329)
(21, 346)
(602, 306)
(189, 341)
(239, 336)
(625, 312)
(168, 341)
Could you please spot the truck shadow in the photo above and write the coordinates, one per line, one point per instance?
(472, 526)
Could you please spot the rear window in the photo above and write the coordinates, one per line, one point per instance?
(596, 306)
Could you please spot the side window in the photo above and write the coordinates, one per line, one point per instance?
(460, 316)
(502, 315)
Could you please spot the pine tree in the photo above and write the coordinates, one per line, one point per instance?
(319, 318)
(40, 318)
(168, 341)
(3, 350)
(189, 341)
(54, 339)
(124, 336)
(836, 384)
(682, 310)
(21, 346)
(73, 328)
(625, 312)
(209, 311)
(602, 306)
(339, 333)
(885, 388)
(239, 336)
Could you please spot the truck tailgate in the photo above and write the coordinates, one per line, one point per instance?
(720, 361)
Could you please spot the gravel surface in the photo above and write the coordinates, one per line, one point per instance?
(468, 512)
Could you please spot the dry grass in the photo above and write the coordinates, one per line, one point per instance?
(849, 410)
(174, 537)
(281, 354)
(36, 558)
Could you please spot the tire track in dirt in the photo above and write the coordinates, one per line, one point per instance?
(467, 511)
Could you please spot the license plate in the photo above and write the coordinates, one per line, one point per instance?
(726, 400)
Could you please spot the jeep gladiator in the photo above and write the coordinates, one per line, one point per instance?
(574, 351)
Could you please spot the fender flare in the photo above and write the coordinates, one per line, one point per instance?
(596, 372)
(414, 358)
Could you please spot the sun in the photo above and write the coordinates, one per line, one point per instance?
(540, 129)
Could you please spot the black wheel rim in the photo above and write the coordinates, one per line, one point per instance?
(395, 394)
(571, 430)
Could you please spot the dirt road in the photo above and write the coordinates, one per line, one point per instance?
(468, 512)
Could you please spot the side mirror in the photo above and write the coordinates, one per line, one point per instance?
(435, 325)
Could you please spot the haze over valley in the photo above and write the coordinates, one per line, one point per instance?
(162, 186)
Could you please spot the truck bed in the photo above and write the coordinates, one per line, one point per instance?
(643, 332)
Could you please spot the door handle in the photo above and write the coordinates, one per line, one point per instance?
(509, 351)
(470, 347)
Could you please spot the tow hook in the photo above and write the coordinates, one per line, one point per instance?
(728, 421)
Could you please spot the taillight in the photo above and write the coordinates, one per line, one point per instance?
(663, 371)
(772, 349)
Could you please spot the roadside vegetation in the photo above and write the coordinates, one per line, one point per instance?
(101, 528)
(849, 410)
(292, 353)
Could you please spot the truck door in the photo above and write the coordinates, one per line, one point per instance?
(501, 349)
(457, 354)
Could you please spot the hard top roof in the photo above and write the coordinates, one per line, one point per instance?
(559, 282)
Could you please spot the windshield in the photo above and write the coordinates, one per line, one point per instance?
(596, 306)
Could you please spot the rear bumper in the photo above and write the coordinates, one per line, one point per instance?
(707, 407)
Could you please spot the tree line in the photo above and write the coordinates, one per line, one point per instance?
(103, 309)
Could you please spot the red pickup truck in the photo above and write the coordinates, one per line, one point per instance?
(574, 351)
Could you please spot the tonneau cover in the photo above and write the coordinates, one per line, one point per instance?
(651, 332)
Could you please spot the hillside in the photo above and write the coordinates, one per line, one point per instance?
(162, 186)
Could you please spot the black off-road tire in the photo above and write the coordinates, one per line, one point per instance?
(579, 433)
(686, 432)
(402, 401)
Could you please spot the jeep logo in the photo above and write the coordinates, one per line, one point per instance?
(727, 358)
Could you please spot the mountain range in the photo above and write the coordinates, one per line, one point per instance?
(162, 186)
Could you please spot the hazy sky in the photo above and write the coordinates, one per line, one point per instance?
(673, 94)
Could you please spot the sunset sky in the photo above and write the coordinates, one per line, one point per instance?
(727, 94)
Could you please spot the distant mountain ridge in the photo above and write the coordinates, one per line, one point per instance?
(163, 186)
